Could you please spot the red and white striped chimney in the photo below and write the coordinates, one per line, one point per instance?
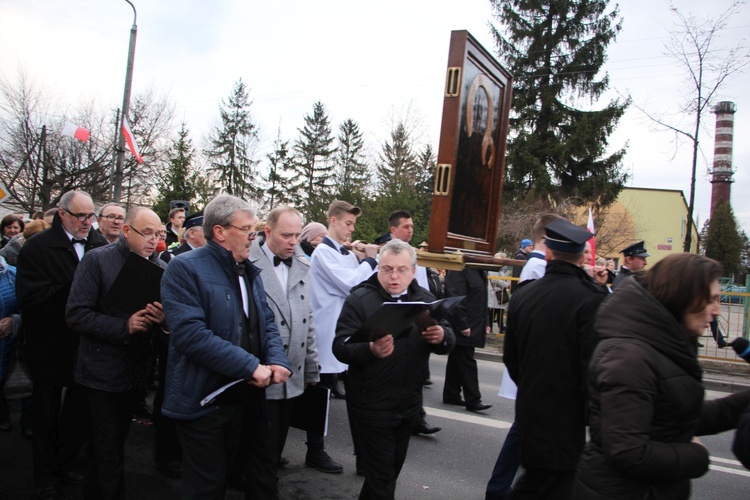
(721, 174)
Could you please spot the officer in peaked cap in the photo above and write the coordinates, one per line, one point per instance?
(635, 260)
(563, 236)
(192, 237)
(550, 324)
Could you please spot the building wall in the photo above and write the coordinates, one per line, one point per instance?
(656, 216)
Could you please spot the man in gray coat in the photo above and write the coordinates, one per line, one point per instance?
(284, 269)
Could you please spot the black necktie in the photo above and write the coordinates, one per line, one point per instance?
(82, 241)
(344, 251)
(241, 269)
(278, 260)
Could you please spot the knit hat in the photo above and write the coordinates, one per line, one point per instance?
(312, 231)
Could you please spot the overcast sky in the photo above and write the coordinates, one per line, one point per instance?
(364, 60)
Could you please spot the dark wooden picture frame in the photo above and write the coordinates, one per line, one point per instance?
(471, 154)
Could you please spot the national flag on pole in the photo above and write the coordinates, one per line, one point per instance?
(592, 241)
(130, 140)
(75, 131)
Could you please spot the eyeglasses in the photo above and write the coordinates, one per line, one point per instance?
(162, 235)
(147, 237)
(388, 270)
(81, 217)
(113, 217)
(247, 230)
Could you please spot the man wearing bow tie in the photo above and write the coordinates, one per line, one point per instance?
(46, 265)
(384, 382)
(284, 271)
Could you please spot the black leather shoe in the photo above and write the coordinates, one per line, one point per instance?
(479, 407)
(46, 493)
(424, 429)
(456, 402)
(427, 382)
(319, 459)
(170, 468)
(338, 392)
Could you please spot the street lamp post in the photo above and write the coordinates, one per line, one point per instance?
(117, 191)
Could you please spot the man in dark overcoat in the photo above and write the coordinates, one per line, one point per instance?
(470, 322)
(547, 348)
(46, 265)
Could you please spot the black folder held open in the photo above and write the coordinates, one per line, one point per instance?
(396, 317)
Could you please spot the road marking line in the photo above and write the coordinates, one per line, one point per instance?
(499, 424)
(471, 419)
(726, 461)
(736, 472)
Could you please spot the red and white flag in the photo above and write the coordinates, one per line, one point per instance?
(130, 140)
(592, 241)
(75, 131)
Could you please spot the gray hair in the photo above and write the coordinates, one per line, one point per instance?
(396, 246)
(221, 212)
(67, 198)
(104, 207)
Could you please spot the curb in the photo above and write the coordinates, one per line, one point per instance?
(709, 383)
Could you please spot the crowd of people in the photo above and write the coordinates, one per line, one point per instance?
(246, 325)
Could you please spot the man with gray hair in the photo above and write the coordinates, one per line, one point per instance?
(46, 265)
(110, 220)
(384, 382)
(221, 330)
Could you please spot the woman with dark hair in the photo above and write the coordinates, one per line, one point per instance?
(646, 400)
(10, 226)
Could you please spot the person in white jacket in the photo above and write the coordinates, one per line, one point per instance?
(334, 271)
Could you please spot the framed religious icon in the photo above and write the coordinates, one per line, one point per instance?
(471, 154)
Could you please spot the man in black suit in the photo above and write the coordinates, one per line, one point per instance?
(470, 322)
(46, 265)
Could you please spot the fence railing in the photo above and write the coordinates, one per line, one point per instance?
(734, 322)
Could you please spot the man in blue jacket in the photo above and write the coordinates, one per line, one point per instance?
(221, 329)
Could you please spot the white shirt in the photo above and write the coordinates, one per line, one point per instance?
(534, 268)
(282, 270)
(78, 247)
(332, 276)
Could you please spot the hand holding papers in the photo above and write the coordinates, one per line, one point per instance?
(395, 317)
(237, 392)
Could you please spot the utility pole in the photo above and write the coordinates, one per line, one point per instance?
(117, 191)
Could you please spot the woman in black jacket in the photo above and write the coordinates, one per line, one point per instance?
(646, 400)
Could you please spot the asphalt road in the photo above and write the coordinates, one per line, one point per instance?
(454, 464)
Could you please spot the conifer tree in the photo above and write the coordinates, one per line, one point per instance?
(280, 160)
(313, 167)
(233, 145)
(179, 181)
(352, 176)
(555, 50)
(397, 166)
(723, 240)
